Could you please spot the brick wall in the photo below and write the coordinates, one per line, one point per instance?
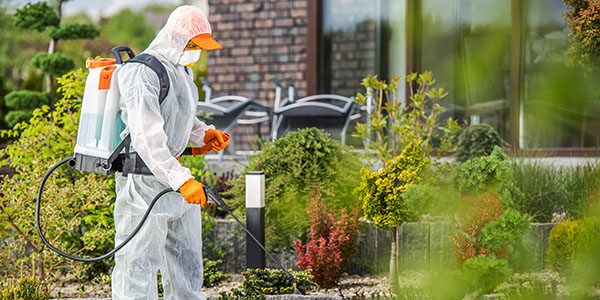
(262, 41)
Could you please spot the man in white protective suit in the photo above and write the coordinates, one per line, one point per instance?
(171, 238)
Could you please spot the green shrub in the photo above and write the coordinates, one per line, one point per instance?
(485, 272)
(74, 32)
(476, 141)
(212, 275)
(22, 104)
(293, 166)
(570, 241)
(275, 282)
(260, 282)
(480, 174)
(55, 63)
(25, 289)
(506, 230)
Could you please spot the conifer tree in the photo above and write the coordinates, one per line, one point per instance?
(41, 16)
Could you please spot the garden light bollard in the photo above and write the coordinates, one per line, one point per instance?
(255, 219)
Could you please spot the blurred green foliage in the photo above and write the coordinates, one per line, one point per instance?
(583, 21)
(55, 63)
(74, 32)
(23, 104)
(36, 16)
(480, 174)
(393, 125)
(129, 28)
(485, 272)
(572, 240)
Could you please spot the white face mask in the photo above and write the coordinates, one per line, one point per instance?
(189, 58)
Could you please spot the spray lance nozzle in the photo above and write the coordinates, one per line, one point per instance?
(212, 195)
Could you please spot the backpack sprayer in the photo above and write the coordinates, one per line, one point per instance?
(99, 148)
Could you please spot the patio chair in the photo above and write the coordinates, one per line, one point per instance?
(329, 112)
(228, 111)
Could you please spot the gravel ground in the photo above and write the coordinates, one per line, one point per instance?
(349, 286)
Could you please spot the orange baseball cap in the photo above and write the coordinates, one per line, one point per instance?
(191, 22)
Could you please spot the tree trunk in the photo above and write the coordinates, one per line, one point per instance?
(394, 260)
(41, 267)
(49, 78)
(51, 50)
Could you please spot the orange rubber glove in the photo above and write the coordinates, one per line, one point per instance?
(215, 140)
(193, 192)
(218, 139)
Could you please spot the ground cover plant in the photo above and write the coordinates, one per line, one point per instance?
(260, 282)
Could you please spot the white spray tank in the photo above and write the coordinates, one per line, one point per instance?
(99, 147)
(100, 123)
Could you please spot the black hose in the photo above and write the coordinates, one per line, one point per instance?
(91, 259)
(210, 192)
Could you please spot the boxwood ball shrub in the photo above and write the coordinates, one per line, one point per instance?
(476, 141)
(294, 165)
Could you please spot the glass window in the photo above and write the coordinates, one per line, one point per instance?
(559, 106)
(348, 45)
(466, 44)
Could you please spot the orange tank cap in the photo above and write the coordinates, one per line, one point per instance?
(100, 62)
(105, 76)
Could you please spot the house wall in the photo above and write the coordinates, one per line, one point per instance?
(262, 41)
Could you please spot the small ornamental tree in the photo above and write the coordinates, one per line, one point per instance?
(332, 243)
(393, 124)
(39, 16)
(381, 194)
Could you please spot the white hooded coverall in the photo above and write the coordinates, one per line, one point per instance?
(171, 238)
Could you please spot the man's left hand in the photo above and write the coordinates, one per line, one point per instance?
(215, 140)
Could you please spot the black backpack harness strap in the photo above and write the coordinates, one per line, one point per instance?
(130, 162)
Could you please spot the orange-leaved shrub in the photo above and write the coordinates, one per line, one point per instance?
(332, 242)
